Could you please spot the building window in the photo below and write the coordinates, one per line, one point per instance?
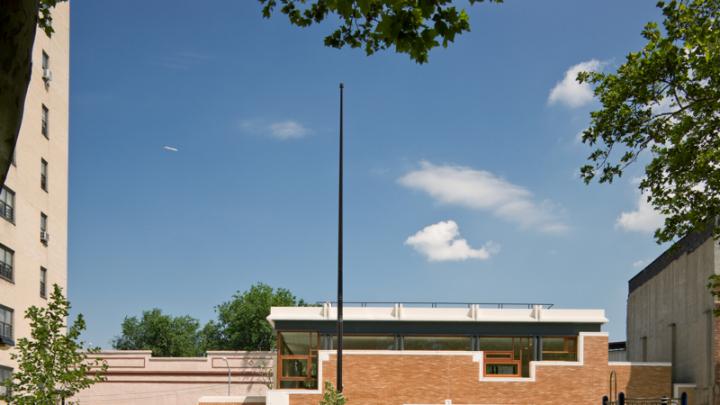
(6, 263)
(44, 235)
(5, 374)
(45, 122)
(7, 204)
(44, 174)
(559, 348)
(6, 325)
(297, 359)
(437, 343)
(507, 356)
(366, 342)
(43, 282)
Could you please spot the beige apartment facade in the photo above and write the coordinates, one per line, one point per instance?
(34, 199)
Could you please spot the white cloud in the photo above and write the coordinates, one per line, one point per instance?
(638, 264)
(571, 93)
(643, 219)
(282, 130)
(442, 242)
(287, 130)
(482, 190)
(170, 148)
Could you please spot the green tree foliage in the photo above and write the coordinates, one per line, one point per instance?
(413, 27)
(331, 396)
(241, 323)
(665, 100)
(165, 335)
(52, 364)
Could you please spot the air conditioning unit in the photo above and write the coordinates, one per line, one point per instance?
(44, 237)
(47, 75)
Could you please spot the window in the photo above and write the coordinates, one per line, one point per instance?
(43, 282)
(44, 236)
(45, 122)
(6, 325)
(5, 374)
(45, 60)
(6, 263)
(437, 343)
(366, 342)
(297, 359)
(559, 348)
(507, 356)
(7, 204)
(44, 174)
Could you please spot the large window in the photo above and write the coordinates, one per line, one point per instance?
(5, 374)
(43, 282)
(437, 343)
(44, 174)
(45, 129)
(44, 235)
(297, 359)
(6, 263)
(366, 342)
(6, 325)
(507, 356)
(7, 204)
(559, 348)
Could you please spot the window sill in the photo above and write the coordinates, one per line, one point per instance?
(6, 341)
(9, 280)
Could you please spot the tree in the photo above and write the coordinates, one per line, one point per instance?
(165, 335)
(413, 27)
(19, 20)
(52, 363)
(665, 100)
(242, 323)
(331, 396)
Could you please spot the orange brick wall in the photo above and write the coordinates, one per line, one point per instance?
(431, 379)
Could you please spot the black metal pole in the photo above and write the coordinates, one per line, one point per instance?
(340, 255)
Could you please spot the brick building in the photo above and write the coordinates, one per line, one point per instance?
(456, 354)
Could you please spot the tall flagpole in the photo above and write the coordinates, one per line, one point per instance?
(340, 255)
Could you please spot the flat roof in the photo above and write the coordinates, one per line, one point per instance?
(472, 313)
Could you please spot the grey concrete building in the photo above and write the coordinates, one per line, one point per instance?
(670, 316)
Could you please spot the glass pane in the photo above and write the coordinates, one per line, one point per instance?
(501, 369)
(438, 343)
(496, 344)
(559, 348)
(366, 342)
(294, 367)
(298, 342)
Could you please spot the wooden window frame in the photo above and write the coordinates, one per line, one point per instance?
(308, 357)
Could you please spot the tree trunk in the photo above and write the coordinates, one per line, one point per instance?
(18, 22)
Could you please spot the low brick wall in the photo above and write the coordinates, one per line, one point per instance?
(400, 378)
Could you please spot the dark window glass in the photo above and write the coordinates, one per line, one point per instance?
(559, 348)
(507, 356)
(7, 204)
(366, 342)
(437, 343)
(6, 323)
(45, 129)
(6, 263)
(44, 174)
(43, 282)
(5, 374)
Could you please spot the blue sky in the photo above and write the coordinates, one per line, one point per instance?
(461, 174)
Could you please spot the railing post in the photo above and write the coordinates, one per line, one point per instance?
(605, 400)
(683, 399)
(621, 399)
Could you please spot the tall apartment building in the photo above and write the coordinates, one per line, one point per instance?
(34, 200)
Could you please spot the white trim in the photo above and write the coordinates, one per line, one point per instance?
(640, 363)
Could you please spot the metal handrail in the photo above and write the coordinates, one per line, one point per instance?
(433, 304)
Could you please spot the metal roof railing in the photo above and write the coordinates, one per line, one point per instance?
(433, 304)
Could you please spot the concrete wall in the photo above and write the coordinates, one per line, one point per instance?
(23, 236)
(400, 378)
(135, 377)
(676, 297)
